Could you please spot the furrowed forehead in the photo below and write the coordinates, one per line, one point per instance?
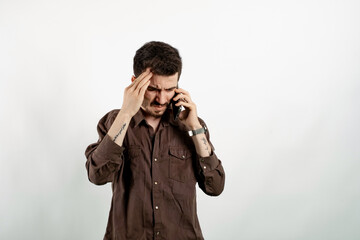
(163, 82)
(158, 87)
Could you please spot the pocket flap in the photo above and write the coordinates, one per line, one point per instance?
(180, 153)
(134, 151)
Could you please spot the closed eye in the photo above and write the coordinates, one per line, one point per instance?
(152, 89)
(170, 89)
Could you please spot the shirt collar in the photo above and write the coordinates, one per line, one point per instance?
(138, 118)
(166, 119)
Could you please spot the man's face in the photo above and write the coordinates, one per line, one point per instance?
(159, 94)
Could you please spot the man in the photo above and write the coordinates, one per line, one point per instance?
(152, 158)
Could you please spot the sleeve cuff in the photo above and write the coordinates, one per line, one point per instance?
(209, 163)
(108, 150)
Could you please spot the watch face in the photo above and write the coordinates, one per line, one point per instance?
(197, 131)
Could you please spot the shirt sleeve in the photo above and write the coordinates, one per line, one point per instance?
(105, 157)
(211, 174)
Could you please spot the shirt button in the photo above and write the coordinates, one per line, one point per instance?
(156, 183)
(156, 207)
(183, 156)
(155, 159)
(202, 160)
(157, 233)
(204, 167)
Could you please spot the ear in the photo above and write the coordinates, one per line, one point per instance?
(133, 78)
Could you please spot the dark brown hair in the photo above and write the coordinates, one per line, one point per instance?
(160, 57)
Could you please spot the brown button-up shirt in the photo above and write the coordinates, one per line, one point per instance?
(153, 179)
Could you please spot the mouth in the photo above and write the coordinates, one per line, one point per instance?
(158, 106)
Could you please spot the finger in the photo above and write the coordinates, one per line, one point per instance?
(143, 88)
(182, 97)
(147, 70)
(143, 84)
(178, 96)
(140, 77)
(143, 80)
(137, 78)
(180, 90)
(185, 98)
(185, 104)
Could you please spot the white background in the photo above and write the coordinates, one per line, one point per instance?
(276, 81)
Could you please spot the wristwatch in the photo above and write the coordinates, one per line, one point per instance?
(197, 131)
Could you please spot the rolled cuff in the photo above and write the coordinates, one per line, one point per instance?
(208, 164)
(108, 150)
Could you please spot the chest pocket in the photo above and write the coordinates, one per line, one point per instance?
(133, 169)
(181, 165)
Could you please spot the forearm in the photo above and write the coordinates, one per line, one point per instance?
(133, 98)
(202, 146)
(103, 160)
(119, 127)
(212, 175)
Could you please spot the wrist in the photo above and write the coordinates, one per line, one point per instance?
(195, 126)
(125, 115)
(197, 131)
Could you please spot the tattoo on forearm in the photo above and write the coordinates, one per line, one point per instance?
(122, 128)
(206, 145)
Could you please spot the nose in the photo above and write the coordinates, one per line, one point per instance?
(161, 97)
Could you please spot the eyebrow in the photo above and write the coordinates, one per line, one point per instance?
(158, 89)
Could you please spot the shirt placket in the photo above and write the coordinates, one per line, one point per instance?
(156, 188)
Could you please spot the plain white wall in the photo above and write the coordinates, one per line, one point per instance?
(276, 81)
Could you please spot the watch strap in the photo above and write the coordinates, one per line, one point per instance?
(197, 131)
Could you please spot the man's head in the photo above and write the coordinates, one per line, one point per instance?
(161, 58)
(165, 63)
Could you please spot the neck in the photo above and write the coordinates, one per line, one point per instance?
(152, 121)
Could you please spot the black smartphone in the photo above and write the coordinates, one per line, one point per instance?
(176, 109)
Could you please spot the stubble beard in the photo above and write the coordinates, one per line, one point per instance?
(153, 113)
